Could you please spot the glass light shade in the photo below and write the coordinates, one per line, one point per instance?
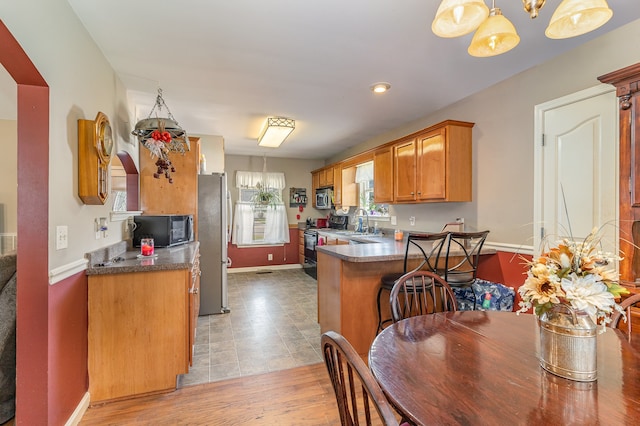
(456, 18)
(276, 131)
(496, 35)
(576, 17)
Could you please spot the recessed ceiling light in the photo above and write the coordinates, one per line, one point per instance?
(380, 87)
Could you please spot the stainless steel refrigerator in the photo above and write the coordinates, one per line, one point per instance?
(213, 234)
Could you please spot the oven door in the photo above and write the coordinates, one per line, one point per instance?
(310, 242)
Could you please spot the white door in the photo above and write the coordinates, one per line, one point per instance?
(576, 170)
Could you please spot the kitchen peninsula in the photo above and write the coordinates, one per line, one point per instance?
(348, 282)
(142, 318)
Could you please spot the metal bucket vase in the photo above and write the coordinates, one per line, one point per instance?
(568, 344)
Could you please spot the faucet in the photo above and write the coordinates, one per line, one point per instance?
(366, 215)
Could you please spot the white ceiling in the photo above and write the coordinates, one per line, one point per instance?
(225, 66)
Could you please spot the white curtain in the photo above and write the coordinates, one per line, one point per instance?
(364, 172)
(243, 225)
(273, 180)
(276, 222)
(277, 225)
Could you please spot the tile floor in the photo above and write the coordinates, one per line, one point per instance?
(272, 326)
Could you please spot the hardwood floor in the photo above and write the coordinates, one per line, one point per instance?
(299, 396)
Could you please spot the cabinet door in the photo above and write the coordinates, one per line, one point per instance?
(328, 176)
(315, 183)
(383, 175)
(301, 246)
(432, 162)
(349, 187)
(158, 196)
(404, 155)
(337, 186)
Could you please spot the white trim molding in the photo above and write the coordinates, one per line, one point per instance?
(510, 248)
(264, 268)
(65, 271)
(78, 413)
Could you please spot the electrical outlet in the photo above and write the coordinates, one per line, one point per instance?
(394, 220)
(412, 221)
(270, 256)
(62, 237)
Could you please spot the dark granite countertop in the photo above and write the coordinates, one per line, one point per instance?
(116, 259)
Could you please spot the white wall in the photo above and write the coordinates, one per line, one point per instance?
(81, 83)
(8, 176)
(212, 147)
(503, 137)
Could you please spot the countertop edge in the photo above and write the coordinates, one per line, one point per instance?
(171, 258)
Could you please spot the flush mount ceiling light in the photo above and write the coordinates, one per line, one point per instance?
(275, 131)
(380, 87)
(572, 18)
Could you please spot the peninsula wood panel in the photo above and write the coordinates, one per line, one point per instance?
(138, 334)
(347, 297)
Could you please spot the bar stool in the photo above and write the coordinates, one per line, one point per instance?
(461, 260)
(430, 255)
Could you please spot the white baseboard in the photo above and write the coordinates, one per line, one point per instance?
(78, 413)
(264, 268)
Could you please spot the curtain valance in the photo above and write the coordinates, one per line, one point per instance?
(273, 180)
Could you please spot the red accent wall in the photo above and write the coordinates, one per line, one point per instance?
(257, 256)
(68, 346)
(505, 268)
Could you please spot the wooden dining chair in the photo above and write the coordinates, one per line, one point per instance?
(355, 387)
(420, 293)
(462, 257)
(627, 304)
(430, 245)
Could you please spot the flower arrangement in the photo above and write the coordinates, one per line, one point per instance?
(576, 274)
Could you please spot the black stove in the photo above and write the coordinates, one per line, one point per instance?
(311, 241)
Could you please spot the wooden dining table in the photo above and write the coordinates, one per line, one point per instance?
(482, 367)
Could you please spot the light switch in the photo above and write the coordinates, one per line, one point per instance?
(61, 237)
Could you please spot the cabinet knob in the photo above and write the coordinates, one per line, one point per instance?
(412, 193)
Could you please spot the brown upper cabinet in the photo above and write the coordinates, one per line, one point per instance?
(430, 166)
(383, 175)
(434, 165)
(337, 185)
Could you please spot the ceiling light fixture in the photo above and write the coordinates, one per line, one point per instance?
(572, 18)
(380, 87)
(275, 131)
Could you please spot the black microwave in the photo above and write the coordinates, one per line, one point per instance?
(166, 230)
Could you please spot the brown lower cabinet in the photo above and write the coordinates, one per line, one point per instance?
(141, 331)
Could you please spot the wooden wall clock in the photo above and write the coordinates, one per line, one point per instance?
(95, 143)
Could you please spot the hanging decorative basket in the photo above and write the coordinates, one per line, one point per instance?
(162, 136)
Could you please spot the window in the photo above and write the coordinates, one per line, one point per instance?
(364, 179)
(260, 216)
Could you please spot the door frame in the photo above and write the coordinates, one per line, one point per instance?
(538, 165)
